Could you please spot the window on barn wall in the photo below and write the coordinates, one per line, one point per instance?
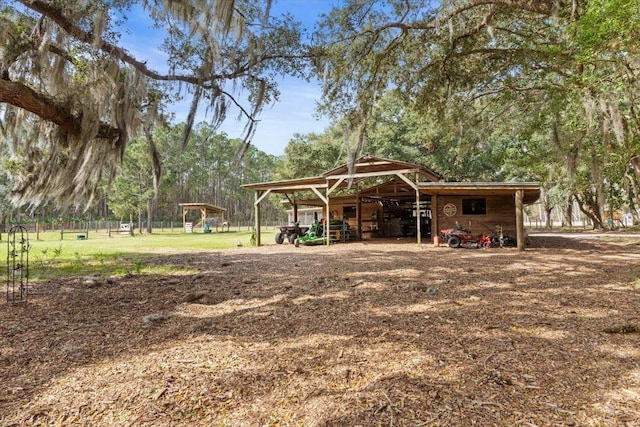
(474, 206)
(349, 212)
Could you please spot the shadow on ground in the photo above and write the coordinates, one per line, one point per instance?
(352, 334)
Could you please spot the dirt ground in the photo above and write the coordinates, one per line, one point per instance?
(358, 334)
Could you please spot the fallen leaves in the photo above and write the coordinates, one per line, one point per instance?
(350, 334)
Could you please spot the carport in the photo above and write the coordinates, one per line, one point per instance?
(374, 180)
(347, 181)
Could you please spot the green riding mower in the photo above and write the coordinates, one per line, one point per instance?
(339, 230)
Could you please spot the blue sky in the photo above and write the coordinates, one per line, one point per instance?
(294, 113)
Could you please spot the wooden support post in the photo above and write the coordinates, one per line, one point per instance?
(435, 234)
(519, 220)
(327, 220)
(257, 220)
(359, 215)
(418, 217)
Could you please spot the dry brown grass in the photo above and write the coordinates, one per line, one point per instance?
(352, 334)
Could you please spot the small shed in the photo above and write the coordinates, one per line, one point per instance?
(205, 210)
(481, 206)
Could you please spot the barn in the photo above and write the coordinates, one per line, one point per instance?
(383, 198)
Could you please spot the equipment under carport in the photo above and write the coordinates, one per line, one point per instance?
(339, 231)
(290, 233)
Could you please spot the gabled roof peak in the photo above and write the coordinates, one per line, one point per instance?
(372, 164)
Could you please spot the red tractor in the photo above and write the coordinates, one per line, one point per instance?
(458, 237)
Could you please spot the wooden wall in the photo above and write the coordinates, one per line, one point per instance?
(371, 220)
(371, 216)
(500, 210)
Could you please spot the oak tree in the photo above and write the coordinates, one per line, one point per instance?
(72, 94)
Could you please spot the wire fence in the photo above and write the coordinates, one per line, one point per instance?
(120, 227)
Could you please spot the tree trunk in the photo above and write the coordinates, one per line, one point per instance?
(567, 213)
(589, 207)
(635, 162)
(547, 211)
(149, 214)
(632, 200)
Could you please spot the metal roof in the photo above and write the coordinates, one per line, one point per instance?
(289, 184)
(394, 172)
(368, 166)
(363, 168)
(531, 190)
(198, 206)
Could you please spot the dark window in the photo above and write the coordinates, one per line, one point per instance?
(474, 207)
(349, 212)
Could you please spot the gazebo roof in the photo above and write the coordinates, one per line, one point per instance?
(206, 207)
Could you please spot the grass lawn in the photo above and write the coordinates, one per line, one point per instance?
(51, 257)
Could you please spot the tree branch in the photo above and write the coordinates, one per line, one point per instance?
(48, 109)
(116, 52)
(541, 7)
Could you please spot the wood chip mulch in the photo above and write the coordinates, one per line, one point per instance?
(358, 334)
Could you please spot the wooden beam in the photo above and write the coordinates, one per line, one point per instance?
(334, 186)
(377, 163)
(418, 217)
(257, 213)
(408, 181)
(321, 196)
(370, 174)
(293, 187)
(359, 215)
(259, 198)
(327, 229)
(435, 234)
(520, 220)
(265, 194)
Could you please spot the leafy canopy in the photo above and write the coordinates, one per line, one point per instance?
(72, 95)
